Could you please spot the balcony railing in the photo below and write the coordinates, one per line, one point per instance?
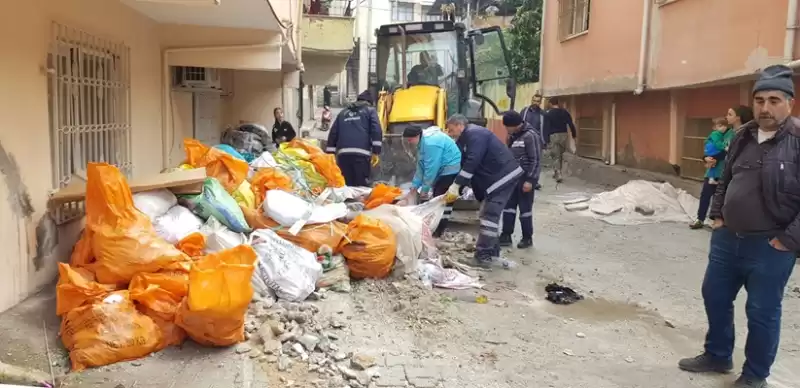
(344, 8)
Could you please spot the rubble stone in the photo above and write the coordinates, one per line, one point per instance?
(362, 361)
(309, 341)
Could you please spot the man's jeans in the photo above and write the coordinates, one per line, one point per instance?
(735, 261)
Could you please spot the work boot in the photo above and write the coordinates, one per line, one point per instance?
(505, 240)
(538, 186)
(704, 363)
(525, 243)
(749, 382)
(697, 224)
(483, 263)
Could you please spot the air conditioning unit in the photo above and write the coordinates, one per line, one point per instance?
(197, 77)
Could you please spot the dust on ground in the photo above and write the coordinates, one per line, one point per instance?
(643, 311)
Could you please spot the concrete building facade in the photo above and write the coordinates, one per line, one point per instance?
(123, 82)
(644, 78)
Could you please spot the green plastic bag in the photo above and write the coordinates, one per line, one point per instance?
(215, 202)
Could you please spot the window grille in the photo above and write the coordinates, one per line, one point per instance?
(573, 17)
(373, 59)
(402, 12)
(89, 104)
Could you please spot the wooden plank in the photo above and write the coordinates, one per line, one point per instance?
(180, 182)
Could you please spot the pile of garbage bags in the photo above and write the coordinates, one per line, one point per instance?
(155, 268)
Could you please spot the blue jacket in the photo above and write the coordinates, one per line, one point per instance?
(487, 164)
(356, 130)
(526, 146)
(438, 155)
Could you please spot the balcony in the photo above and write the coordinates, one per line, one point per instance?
(328, 30)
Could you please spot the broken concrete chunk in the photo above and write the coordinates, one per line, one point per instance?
(362, 361)
(309, 341)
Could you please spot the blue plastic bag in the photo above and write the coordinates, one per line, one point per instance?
(230, 150)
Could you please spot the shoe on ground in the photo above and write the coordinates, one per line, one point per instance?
(705, 364)
(749, 382)
(483, 263)
(505, 240)
(525, 243)
(538, 187)
(697, 224)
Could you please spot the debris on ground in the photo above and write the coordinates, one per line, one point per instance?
(559, 294)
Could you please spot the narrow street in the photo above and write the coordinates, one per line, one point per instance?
(642, 312)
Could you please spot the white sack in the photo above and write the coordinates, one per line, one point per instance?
(408, 229)
(154, 203)
(290, 271)
(176, 224)
(286, 209)
(219, 237)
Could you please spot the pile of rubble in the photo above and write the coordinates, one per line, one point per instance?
(284, 333)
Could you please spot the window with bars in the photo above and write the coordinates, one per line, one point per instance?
(373, 59)
(402, 12)
(573, 17)
(426, 9)
(89, 104)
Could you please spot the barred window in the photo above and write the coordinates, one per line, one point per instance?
(89, 104)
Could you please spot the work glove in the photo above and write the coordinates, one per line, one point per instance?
(376, 160)
(452, 193)
(424, 195)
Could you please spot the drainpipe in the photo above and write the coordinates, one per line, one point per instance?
(541, 46)
(169, 123)
(643, 49)
(612, 157)
(791, 27)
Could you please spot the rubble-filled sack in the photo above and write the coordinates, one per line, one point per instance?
(290, 271)
(381, 195)
(324, 164)
(244, 195)
(154, 203)
(229, 171)
(215, 202)
(193, 245)
(176, 224)
(266, 179)
(296, 162)
(287, 209)
(119, 241)
(75, 287)
(310, 237)
(219, 294)
(108, 330)
(219, 237)
(407, 227)
(158, 296)
(369, 249)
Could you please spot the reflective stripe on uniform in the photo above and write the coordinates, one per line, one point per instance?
(353, 151)
(525, 215)
(490, 233)
(510, 211)
(465, 174)
(489, 224)
(377, 143)
(330, 149)
(513, 174)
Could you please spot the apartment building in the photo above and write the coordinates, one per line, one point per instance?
(643, 78)
(123, 82)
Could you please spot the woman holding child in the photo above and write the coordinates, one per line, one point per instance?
(715, 150)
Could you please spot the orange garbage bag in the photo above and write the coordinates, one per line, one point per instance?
(231, 172)
(310, 238)
(108, 330)
(158, 296)
(219, 294)
(269, 178)
(371, 250)
(75, 287)
(381, 195)
(192, 245)
(325, 164)
(121, 240)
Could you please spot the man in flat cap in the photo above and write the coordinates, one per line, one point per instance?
(756, 233)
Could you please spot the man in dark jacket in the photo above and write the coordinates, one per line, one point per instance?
(526, 146)
(355, 135)
(533, 114)
(557, 131)
(756, 221)
(489, 167)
